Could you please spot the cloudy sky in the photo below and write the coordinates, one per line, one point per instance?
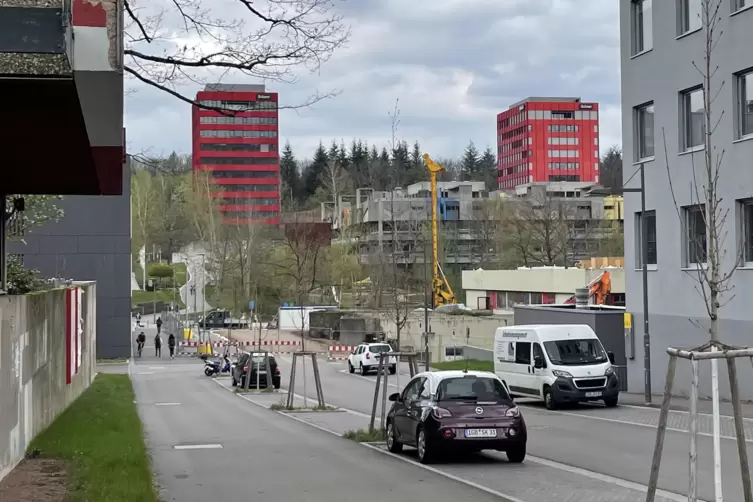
(452, 64)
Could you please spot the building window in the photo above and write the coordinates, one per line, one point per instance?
(746, 233)
(695, 235)
(645, 220)
(688, 16)
(745, 103)
(740, 4)
(644, 131)
(642, 25)
(692, 118)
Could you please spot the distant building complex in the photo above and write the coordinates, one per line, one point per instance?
(239, 149)
(548, 139)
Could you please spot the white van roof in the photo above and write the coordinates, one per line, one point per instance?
(547, 332)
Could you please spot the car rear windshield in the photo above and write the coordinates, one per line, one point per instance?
(576, 352)
(378, 349)
(472, 388)
(259, 361)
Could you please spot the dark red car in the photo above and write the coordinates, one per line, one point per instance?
(447, 411)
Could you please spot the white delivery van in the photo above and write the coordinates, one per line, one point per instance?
(557, 363)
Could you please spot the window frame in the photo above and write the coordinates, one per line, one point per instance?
(639, 42)
(686, 123)
(739, 5)
(684, 25)
(640, 219)
(740, 104)
(689, 213)
(746, 231)
(639, 114)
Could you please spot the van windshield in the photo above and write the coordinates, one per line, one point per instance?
(576, 352)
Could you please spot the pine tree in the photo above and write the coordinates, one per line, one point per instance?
(470, 163)
(313, 173)
(290, 190)
(488, 168)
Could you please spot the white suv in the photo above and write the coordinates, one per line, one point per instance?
(366, 358)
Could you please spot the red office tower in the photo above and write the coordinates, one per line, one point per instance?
(240, 150)
(548, 139)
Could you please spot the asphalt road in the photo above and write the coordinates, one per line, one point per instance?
(257, 455)
(602, 442)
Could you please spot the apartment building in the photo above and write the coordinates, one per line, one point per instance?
(662, 46)
(237, 143)
(548, 139)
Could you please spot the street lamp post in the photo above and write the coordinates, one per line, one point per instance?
(644, 273)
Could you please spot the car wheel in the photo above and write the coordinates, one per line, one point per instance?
(422, 445)
(549, 400)
(351, 369)
(364, 370)
(611, 402)
(393, 444)
(516, 455)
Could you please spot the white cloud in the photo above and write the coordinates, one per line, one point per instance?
(453, 64)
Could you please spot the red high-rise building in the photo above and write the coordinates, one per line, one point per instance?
(240, 150)
(548, 139)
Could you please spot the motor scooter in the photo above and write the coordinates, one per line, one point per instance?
(212, 368)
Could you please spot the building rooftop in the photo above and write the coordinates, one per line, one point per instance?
(235, 87)
(545, 100)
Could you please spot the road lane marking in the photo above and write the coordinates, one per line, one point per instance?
(626, 422)
(166, 404)
(212, 446)
(156, 367)
(145, 373)
(637, 407)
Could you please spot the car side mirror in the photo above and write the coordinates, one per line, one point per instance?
(395, 397)
(610, 355)
(538, 362)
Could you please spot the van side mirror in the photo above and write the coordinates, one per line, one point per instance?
(395, 397)
(610, 355)
(538, 362)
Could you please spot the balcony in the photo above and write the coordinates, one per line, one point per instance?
(61, 77)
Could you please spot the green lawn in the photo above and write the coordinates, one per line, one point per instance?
(101, 439)
(473, 364)
(161, 295)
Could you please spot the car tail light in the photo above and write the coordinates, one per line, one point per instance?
(448, 433)
(440, 412)
(513, 412)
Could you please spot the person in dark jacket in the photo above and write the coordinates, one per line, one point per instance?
(140, 341)
(171, 345)
(159, 325)
(158, 345)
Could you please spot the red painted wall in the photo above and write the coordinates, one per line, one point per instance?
(233, 210)
(523, 143)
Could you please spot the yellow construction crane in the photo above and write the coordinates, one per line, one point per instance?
(441, 291)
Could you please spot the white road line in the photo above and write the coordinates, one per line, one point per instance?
(145, 373)
(213, 446)
(675, 497)
(636, 407)
(166, 404)
(156, 367)
(626, 422)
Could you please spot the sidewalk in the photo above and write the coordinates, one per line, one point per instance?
(683, 404)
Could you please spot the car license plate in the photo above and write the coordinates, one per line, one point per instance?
(593, 394)
(481, 433)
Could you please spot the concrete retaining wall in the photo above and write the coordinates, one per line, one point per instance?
(33, 389)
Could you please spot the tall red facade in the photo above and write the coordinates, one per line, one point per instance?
(240, 149)
(548, 139)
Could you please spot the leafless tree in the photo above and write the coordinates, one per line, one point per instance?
(173, 42)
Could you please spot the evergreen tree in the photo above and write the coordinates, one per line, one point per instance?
(358, 162)
(488, 168)
(313, 173)
(290, 191)
(469, 169)
(334, 150)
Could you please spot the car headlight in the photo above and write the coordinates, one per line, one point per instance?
(609, 371)
(560, 373)
(513, 412)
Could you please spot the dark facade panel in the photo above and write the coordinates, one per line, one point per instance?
(28, 30)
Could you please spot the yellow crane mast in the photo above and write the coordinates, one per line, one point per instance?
(441, 291)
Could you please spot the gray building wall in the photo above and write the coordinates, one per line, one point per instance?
(92, 242)
(676, 309)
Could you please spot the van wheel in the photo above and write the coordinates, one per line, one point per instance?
(351, 369)
(549, 401)
(611, 402)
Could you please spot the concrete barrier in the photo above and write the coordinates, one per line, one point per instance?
(47, 359)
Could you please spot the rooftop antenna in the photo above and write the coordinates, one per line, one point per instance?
(465, 352)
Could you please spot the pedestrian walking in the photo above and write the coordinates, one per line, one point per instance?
(171, 345)
(138, 319)
(158, 345)
(159, 325)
